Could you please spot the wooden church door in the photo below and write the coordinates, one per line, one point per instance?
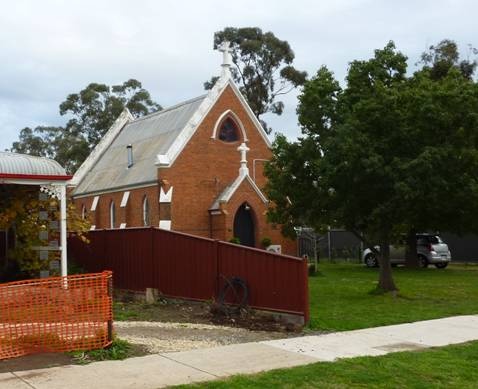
(244, 225)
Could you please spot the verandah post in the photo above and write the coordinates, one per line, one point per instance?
(63, 231)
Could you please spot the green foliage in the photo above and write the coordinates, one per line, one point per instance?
(122, 312)
(58, 143)
(263, 69)
(266, 242)
(235, 240)
(120, 349)
(443, 367)
(386, 153)
(92, 111)
(20, 208)
(440, 58)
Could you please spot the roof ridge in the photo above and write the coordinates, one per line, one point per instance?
(13, 153)
(173, 107)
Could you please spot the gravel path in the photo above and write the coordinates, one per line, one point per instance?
(159, 337)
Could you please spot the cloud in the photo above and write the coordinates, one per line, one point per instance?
(53, 48)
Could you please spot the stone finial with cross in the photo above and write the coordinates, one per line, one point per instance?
(243, 149)
(225, 48)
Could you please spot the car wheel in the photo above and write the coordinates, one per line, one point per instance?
(371, 261)
(441, 265)
(422, 262)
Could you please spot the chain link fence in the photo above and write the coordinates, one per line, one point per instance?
(334, 246)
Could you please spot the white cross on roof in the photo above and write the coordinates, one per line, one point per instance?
(225, 49)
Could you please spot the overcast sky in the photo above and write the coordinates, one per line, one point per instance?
(49, 49)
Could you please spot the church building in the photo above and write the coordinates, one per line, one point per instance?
(196, 167)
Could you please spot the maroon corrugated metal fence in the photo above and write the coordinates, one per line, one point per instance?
(185, 266)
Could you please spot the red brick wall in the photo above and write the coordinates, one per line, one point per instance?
(200, 173)
(245, 193)
(132, 214)
(207, 166)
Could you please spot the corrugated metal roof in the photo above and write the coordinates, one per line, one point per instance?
(149, 135)
(13, 163)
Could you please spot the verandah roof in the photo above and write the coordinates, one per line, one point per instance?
(26, 167)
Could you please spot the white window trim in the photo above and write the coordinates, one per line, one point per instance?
(165, 224)
(165, 197)
(146, 210)
(235, 119)
(124, 200)
(112, 215)
(94, 204)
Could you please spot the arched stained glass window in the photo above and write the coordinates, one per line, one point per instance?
(228, 131)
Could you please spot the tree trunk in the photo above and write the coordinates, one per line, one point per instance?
(411, 257)
(385, 280)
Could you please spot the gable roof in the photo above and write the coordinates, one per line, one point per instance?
(149, 135)
(229, 191)
(167, 159)
(157, 141)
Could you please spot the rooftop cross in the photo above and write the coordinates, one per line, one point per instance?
(243, 149)
(225, 48)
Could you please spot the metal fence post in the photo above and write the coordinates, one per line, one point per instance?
(110, 295)
(329, 248)
(305, 283)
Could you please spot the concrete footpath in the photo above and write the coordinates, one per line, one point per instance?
(160, 370)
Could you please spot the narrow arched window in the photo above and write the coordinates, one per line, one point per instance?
(83, 212)
(146, 218)
(228, 131)
(112, 215)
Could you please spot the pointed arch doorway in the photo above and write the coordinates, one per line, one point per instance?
(244, 226)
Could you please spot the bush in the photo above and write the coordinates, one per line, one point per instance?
(118, 350)
(266, 242)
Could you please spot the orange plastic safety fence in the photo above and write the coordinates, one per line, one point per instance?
(55, 314)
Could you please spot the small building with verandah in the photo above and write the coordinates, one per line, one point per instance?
(48, 179)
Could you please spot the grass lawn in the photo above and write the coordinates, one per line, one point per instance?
(445, 367)
(340, 296)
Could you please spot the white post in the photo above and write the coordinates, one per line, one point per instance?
(64, 271)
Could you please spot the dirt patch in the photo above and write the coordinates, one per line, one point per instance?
(169, 326)
(168, 337)
(167, 311)
(161, 311)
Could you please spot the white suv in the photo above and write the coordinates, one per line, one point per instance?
(430, 249)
